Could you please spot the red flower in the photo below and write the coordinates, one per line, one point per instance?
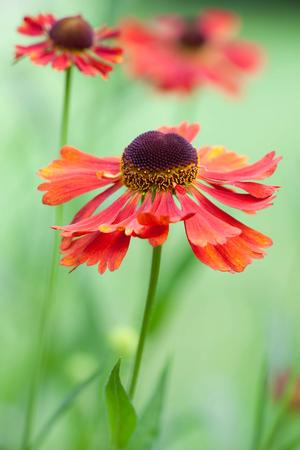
(161, 179)
(178, 54)
(69, 41)
(281, 383)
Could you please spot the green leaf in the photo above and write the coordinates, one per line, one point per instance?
(149, 426)
(121, 413)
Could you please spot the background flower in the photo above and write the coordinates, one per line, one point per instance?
(69, 41)
(181, 54)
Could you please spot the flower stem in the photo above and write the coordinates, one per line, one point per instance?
(50, 293)
(66, 108)
(260, 410)
(156, 257)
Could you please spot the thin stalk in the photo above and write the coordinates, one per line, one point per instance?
(64, 407)
(50, 293)
(260, 410)
(155, 266)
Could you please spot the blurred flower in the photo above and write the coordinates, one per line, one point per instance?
(280, 386)
(178, 54)
(69, 41)
(80, 366)
(123, 341)
(165, 179)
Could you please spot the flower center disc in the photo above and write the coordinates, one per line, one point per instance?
(72, 33)
(192, 38)
(156, 161)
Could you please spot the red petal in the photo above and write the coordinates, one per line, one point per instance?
(107, 250)
(90, 224)
(245, 202)
(111, 54)
(22, 50)
(218, 24)
(237, 252)
(76, 173)
(219, 158)
(263, 168)
(244, 55)
(61, 62)
(187, 131)
(256, 189)
(37, 25)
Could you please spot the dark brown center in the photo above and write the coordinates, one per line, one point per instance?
(192, 38)
(72, 33)
(157, 161)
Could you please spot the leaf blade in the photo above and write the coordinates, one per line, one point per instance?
(121, 413)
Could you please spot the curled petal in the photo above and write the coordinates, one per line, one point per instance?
(186, 130)
(263, 168)
(245, 202)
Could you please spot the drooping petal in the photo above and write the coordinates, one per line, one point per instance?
(106, 250)
(76, 173)
(263, 168)
(108, 53)
(93, 223)
(258, 190)
(162, 211)
(100, 67)
(236, 252)
(43, 57)
(244, 202)
(22, 50)
(186, 130)
(83, 64)
(62, 61)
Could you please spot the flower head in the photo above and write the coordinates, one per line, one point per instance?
(180, 54)
(69, 41)
(161, 179)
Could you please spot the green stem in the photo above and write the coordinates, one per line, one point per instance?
(50, 294)
(156, 257)
(66, 108)
(259, 419)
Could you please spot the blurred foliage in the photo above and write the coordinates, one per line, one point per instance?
(223, 324)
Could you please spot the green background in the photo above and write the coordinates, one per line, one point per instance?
(220, 325)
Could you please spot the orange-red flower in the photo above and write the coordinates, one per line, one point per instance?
(178, 54)
(69, 41)
(161, 179)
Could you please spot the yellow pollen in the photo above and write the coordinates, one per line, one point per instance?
(163, 180)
